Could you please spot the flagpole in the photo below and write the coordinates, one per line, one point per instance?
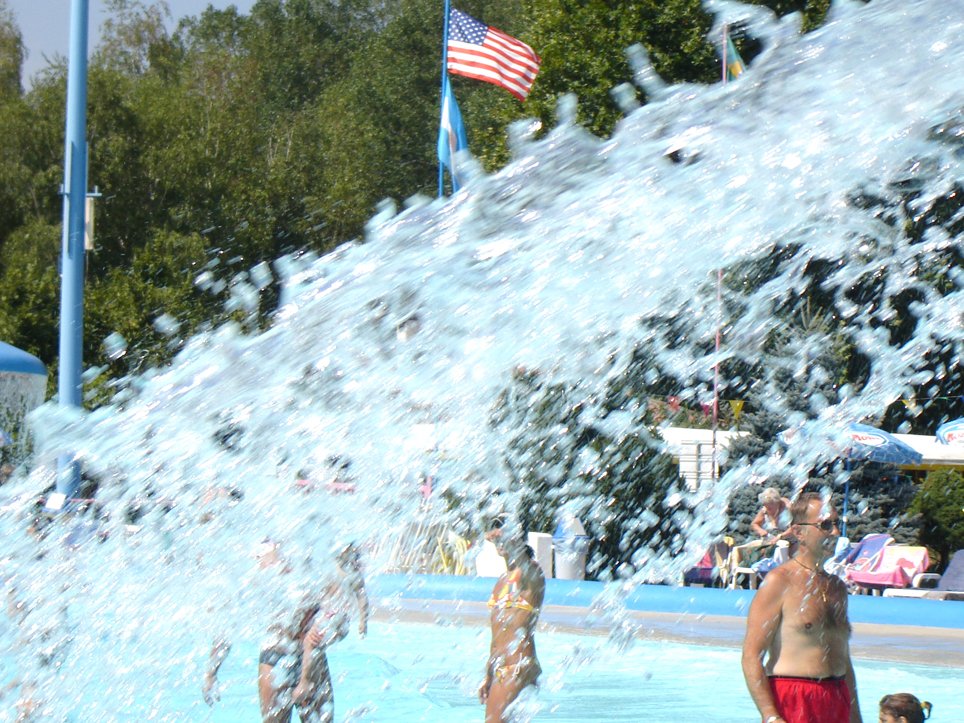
(725, 48)
(72, 263)
(445, 60)
(719, 321)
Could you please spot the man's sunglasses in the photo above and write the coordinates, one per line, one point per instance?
(825, 525)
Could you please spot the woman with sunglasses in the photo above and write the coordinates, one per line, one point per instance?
(796, 653)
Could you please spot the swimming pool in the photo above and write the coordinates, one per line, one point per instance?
(424, 656)
(426, 672)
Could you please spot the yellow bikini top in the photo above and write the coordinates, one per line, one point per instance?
(508, 595)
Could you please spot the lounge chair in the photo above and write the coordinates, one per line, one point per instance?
(742, 563)
(865, 555)
(712, 566)
(836, 564)
(897, 567)
(950, 585)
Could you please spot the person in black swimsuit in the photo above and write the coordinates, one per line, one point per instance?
(293, 666)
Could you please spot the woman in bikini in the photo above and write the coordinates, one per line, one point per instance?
(515, 603)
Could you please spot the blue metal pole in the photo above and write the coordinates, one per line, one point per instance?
(445, 62)
(846, 498)
(72, 255)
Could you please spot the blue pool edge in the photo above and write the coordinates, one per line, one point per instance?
(697, 601)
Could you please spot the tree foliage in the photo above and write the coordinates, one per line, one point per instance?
(940, 504)
(11, 55)
(572, 454)
(235, 138)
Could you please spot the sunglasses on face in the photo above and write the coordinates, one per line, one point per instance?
(825, 525)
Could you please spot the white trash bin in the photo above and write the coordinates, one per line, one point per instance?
(570, 545)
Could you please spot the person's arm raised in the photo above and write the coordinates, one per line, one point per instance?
(219, 652)
(762, 625)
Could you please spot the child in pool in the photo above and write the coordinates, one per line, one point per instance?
(903, 708)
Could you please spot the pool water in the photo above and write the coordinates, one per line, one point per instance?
(423, 672)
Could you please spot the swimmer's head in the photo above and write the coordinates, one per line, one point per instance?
(267, 553)
(903, 708)
(509, 539)
(349, 557)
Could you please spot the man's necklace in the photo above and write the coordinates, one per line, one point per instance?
(823, 588)
(811, 569)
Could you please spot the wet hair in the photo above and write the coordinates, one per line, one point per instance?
(906, 705)
(799, 507)
(770, 494)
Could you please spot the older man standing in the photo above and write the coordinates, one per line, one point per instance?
(796, 653)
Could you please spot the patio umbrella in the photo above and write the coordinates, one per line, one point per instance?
(951, 432)
(874, 445)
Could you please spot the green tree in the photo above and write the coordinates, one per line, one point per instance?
(582, 45)
(30, 291)
(379, 123)
(626, 491)
(11, 55)
(133, 36)
(940, 503)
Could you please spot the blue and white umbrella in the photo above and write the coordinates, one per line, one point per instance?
(874, 445)
(951, 432)
(861, 442)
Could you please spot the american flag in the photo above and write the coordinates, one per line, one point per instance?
(479, 51)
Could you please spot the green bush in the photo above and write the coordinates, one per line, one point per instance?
(940, 503)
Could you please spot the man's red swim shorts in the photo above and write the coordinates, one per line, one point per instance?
(809, 700)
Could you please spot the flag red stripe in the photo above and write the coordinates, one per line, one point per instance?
(467, 52)
(488, 54)
(478, 60)
(497, 37)
(519, 91)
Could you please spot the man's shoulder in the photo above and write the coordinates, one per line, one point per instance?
(776, 581)
(780, 572)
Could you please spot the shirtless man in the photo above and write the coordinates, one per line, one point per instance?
(293, 665)
(798, 622)
(515, 603)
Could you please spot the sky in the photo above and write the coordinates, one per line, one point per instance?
(45, 25)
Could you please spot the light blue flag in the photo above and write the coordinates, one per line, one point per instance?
(735, 67)
(451, 134)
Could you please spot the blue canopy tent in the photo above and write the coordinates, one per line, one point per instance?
(23, 385)
(874, 445)
(18, 361)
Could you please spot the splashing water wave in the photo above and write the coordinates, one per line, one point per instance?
(575, 259)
